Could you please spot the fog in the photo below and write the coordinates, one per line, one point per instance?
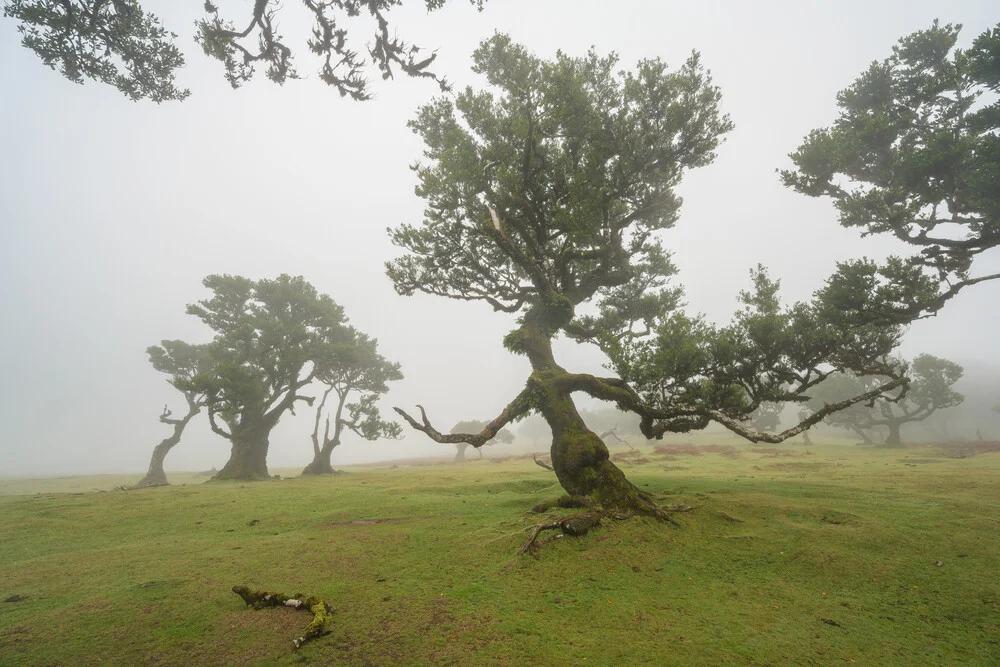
(112, 212)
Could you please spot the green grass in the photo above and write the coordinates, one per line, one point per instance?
(846, 534)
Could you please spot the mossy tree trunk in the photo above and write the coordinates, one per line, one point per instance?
(579, 457)
(156, 476)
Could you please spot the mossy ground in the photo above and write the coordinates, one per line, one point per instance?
(839, 535)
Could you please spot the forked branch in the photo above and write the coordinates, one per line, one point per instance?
(515, 409)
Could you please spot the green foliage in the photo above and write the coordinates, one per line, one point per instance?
(352, 367)
(268, 334)
(915, 153)
(768, 356)
(111, 41)
(579, 163)
(116, 42)
(181, 361)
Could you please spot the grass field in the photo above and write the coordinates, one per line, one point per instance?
(824, 555)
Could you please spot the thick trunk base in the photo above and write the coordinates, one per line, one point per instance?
(247, 461)
(155, 476)
(318, 467)
(580, 459)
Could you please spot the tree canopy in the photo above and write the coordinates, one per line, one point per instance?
(914, 153)
(268, 336)
(119, 43)
(549, 193)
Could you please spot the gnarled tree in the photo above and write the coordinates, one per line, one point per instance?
(350, 366)
(930, 390)
(268, 336)
(550, 192)
(117, 42)
(182, 362)
(915, 153)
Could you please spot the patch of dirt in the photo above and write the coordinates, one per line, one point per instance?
(677, 450)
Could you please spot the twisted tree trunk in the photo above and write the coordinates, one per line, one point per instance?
(156, 476)
(320, 464)
(579, 457)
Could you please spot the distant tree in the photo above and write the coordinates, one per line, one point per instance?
(534, 429)
(551, 190)
(268, 336)
(182, 362)
(930, 390)
(914, 153)
(350, 366)
(118, 43)
(503, 435)
(767, 417)
(804, 414)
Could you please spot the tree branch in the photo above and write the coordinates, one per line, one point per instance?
(515, 409)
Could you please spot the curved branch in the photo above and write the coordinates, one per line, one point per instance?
(515, 409)
(618, 391)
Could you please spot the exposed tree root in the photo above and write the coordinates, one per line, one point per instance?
(577, 525)
(321, 610)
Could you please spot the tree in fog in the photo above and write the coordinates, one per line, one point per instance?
(350, 367)
(767, 417)
(930, 390)
(119, 43)
(914, 153)
(182, 362)
(503, 435)
(551, 190)
(268, 336)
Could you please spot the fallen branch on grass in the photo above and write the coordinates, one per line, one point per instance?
(321, 611)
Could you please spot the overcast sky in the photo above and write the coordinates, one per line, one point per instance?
(112, 212)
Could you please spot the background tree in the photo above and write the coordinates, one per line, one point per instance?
(472, 425)
(550, 191)
(268, 336)
(182, 362)
(767, 417)
(914, 153)
(534, 429)
(351, 366)
(930, 390)
(118, 43)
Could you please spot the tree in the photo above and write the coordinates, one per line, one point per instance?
(182, 362)
(268, 336)
(767, 417)
(549, 192)
(930, 390)
(118, 43)
(351, 366)
(503, 435)
(914, 153)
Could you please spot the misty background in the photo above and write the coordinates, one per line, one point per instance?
(112, 212)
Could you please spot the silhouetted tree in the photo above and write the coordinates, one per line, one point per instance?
(550, 191)
(767, 417)
(503, 435)
(182, 362)
(350, 366)
(914, 153)
(118, 43)
(268, 336)
(930, 390)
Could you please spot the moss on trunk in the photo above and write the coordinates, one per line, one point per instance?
(247, 459)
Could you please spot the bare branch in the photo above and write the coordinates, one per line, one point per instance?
(515, 409)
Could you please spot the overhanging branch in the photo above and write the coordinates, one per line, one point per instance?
(516, 408)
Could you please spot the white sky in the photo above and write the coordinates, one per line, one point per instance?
(111, 212)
